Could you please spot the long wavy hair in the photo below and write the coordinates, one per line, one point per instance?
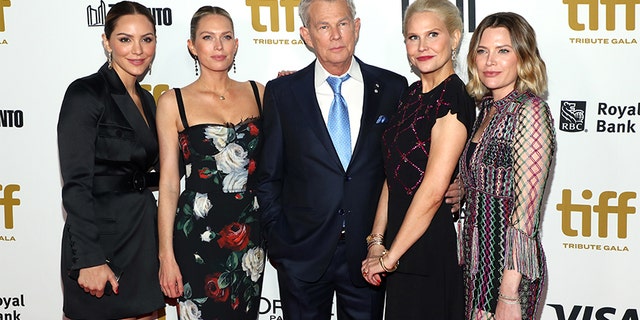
(532, 71)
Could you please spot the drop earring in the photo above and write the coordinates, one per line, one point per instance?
(109, 60)
(149, 68)
(195, 61)
(234, 65)
(454, 54)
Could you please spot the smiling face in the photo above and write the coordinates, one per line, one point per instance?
(132, 45)
(214, 43)
(497, 62)
(429, 44)
(332, 33)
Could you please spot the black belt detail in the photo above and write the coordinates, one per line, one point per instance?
(138, 181)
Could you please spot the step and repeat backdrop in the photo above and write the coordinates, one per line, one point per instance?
(591, 225)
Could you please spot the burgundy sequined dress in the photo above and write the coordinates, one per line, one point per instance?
(428, 282)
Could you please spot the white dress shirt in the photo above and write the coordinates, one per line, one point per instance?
(352, 91)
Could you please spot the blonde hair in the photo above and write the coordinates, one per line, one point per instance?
(532, 71)
(446, 10)
(205, 11)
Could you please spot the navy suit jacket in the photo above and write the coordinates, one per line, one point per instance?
(303, 191)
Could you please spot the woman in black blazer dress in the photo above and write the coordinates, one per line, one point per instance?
(107, 146)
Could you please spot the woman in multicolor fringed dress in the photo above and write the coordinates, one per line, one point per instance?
(504, 168)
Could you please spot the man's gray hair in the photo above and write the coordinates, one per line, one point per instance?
(303, 9)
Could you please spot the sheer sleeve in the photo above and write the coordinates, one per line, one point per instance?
(533, 149)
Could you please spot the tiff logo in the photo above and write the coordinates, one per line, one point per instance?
(610, 13)
(3, 4)
(603, 209)
(274, 14)
(8, 202)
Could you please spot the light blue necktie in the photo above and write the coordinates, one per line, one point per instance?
(338, 121)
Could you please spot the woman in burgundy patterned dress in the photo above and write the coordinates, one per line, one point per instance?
(421, 149)
(504, 168)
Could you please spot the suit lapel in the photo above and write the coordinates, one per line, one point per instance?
(372, 88)
(146, 133)
(305, 94)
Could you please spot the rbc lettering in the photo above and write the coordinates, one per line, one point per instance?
(610, 10)
(8, 202)
(603, 209)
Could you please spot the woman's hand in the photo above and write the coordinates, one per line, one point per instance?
(93, 280)
(508, 311)
(454, 195)
(170, 278)
(371, 269)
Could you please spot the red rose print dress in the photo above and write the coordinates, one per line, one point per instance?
(217, 239)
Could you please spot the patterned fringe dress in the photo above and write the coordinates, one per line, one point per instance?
(505, 176)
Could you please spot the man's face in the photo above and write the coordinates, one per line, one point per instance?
(332, 33)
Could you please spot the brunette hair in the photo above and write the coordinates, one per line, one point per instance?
(124, 8)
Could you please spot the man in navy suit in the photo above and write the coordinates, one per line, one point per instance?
(317, 210)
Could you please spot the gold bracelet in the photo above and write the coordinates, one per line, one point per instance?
(374, 237)
(375, 243)
(500, 295)
(506, 301)
(395, 267)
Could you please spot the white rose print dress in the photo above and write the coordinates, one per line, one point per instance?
(217, 238)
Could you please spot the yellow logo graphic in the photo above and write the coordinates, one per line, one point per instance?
(610, 13)
(3, 4)
(274, 13)
(156, 91)
(602, 210)
(8, 202)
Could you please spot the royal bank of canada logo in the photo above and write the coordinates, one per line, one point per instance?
(96, 16)
(572, 115)
(3, 4)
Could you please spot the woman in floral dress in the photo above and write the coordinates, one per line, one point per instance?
(211, 255)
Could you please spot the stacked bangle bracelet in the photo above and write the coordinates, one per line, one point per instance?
(508, 300)
(374, 239)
